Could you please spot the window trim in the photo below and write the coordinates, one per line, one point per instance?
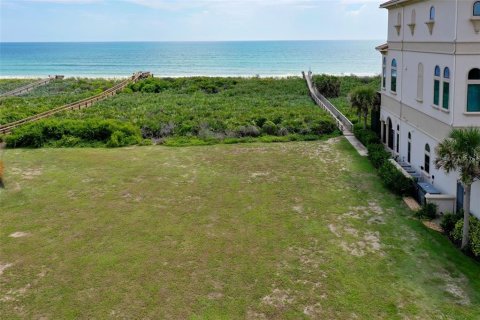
(446, 80)
(409, 148)
(469, 82)
(476, 6)
(439, 79)
(394, 68)
(384, 73)
(427, 153)
(432, 13)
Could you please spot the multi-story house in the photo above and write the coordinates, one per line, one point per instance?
(430, 84)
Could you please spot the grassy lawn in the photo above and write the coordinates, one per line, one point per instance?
(286, 231)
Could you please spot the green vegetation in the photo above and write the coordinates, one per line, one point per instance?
(276, 231)
(460, 152)
(327, 85)
(192, 111)
(473, 245)
(427, 212)
(75, 133)
(54, 94)
(12, 84)
(363, 100)
(347, 85)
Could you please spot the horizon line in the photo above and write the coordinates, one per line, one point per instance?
(188, 41)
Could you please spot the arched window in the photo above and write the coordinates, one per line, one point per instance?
(446, 88)
(473, 95)
(436, 86)
(384, 73)
(432, 14)
(409, 151)
(427, 159)
(476, 9)
(420, 83)
(393, 83)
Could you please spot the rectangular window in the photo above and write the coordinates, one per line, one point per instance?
(427, 163)
(446, 95)
(384, 82)
(398, 142)
(473, 104)
(393, 86)
(409, 155)
(436, 92)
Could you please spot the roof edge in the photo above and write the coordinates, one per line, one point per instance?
(392, 3)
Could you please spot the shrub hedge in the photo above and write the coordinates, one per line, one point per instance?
(391, 177)
(474, 244)
(327, 85)
(74, 133)
(449, 220)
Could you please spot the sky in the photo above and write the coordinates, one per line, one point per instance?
(190, 20)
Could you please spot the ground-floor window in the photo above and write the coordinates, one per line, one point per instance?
(398, 138)
(427, 158)
(409, 151)
(473, 95)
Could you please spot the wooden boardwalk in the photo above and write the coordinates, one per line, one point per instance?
(29, 87)
(343, 123)
(7, 128)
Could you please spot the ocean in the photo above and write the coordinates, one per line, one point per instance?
(179, 59)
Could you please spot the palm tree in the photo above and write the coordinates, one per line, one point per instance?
(461, 152)
(363, 99)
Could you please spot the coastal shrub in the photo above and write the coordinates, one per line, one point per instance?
(449, 220)
(208, 85)
(377, 155)
(327, 85)
(366, 136)
(474, 232)
(427, 211)
(395, 181)
(70, 133)
(241, 108)
(248, 131)
(269, 128)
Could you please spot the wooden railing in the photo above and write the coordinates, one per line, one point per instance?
(342, 121)
(29, 87)
(7, 128)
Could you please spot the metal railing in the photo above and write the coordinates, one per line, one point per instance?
(7, 128)
(342, 121)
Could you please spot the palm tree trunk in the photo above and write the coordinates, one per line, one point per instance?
(466, 215)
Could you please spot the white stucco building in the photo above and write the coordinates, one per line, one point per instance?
(431, 84)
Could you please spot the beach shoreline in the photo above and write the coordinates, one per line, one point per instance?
(244, 76)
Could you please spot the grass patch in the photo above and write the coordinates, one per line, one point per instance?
(284, 230)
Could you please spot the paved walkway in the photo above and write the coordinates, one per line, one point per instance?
(356, 144)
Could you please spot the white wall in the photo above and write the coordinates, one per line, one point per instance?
(397, 55)
(465, 31)
(444, 27)
(446, 183)
(410, 76)
(464, 64)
